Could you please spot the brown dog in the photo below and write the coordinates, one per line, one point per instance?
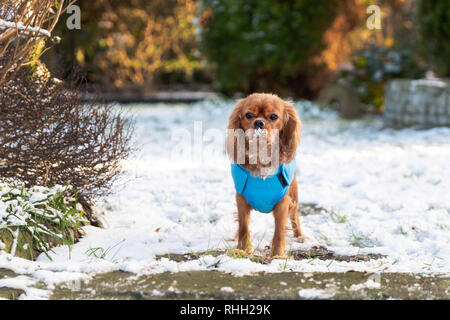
(273, 115)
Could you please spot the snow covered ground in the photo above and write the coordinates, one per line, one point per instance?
(385, 191)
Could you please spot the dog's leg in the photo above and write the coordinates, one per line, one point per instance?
(244, 220)
(280, 213)
(295, 223)
(293, 212)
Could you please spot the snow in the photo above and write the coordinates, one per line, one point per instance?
(429, 82)
(20, 26)
(314, 293)
(368, 284)
(26, 284)
(392, 186)
(227, 289)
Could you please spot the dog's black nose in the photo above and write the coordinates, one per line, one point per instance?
(258, 124)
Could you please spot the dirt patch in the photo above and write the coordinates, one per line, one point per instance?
(306, 209)
(322, 253)
(6, 273)
(183, 257)
(263, 257)
(10, 293)
(5, 292)
(288, 285)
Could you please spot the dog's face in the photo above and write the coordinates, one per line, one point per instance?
(268, 113)
(261, 112)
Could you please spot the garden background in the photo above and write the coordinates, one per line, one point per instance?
(292, 48)
(96, 201)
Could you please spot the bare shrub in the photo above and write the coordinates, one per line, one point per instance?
(24, 26)
(49, 136)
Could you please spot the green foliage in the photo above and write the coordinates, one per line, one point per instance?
(434, 26)
(37, 218)
(370, 68)
(124, 43)
(260, 45)
(361, 240)
(337, 217)
(102, 253)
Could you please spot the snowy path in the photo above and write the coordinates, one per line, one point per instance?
(385, 192)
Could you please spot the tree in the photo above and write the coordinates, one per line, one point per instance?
(262, 45)
(133, 42)
(434, 27)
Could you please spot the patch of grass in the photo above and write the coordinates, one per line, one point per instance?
(255, 256)
(37, 219)
(213, 219)
(323, 238)
(101, 253)
(329, 264)
(361, 240)
(215, 264)
(337, 217)
(283, 267)
(401, 231)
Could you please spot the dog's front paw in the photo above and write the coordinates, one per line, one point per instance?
(245, 246)
(280, 257)
(239, 253)
(301, 239)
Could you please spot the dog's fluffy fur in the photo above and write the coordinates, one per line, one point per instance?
(262, 107)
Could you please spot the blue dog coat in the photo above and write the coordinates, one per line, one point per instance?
(263, 194)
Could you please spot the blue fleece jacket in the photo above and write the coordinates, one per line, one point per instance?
(263, 194)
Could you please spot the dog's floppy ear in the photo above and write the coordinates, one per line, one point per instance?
(290, 134)
(234, 124)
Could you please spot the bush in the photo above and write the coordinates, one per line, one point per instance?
(370, 68)
(262, 45)
(434, 27)
(33, 220)
(49, 136)
(24, 42)
(132, 42)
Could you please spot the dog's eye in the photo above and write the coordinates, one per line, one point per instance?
(249, 115)
(273, 117)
